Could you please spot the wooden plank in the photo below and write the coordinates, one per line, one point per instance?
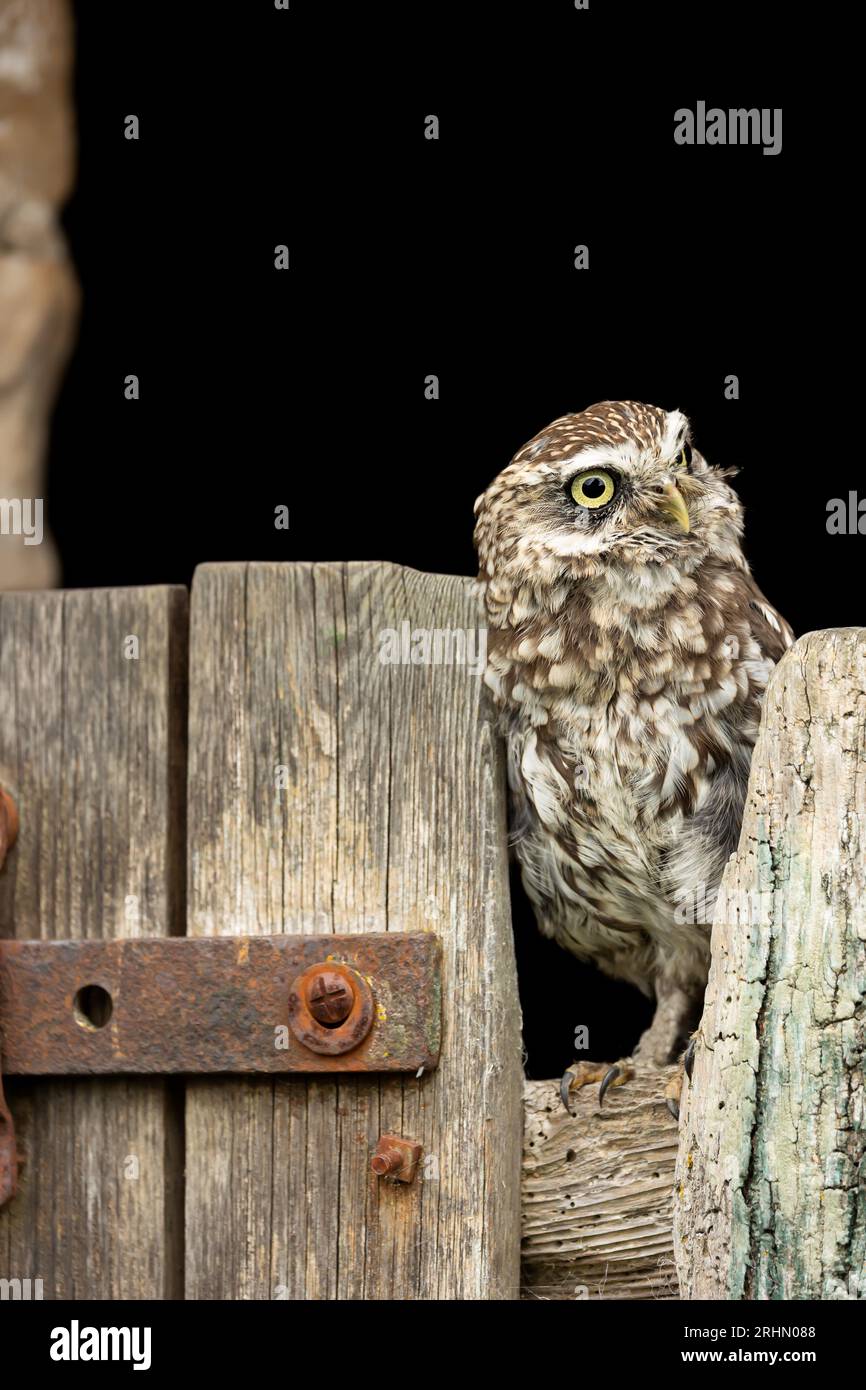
(598, 1192)
(391, 818)
(92, 747)
(771, 1202)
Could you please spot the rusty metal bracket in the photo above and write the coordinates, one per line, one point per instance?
(217, 1004)
(273, 1004)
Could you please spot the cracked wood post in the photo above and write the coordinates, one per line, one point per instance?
(770, 1199)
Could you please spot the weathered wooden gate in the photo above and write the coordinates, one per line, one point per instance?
(249, 766)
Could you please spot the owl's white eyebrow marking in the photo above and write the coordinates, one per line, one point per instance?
(596, 455)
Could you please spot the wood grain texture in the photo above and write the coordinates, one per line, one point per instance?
(92, 747)
(391, 818)
(771, 1202)
(598, 1192)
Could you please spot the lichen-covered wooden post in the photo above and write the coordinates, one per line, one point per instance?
(771, 1170)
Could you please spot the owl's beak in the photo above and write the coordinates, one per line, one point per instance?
(673, 505)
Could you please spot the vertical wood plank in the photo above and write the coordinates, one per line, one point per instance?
(391, 816)
(92, 745)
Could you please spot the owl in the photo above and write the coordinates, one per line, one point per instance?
(629, 649)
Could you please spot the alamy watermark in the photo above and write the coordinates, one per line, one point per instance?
(846, 517)
(77, 1343)
(21, 1289)
(434, 646)
(22, 517)
(736, 126)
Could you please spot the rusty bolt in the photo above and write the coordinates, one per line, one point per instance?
(329, 998)
(331, 1008)
(396, 1158)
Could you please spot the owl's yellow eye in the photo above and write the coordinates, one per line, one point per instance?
(594, 488)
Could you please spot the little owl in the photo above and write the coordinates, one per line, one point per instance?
(628, 651)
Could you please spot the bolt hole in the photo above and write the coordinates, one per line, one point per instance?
(92, 1007)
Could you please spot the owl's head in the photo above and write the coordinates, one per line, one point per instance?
(617, 484)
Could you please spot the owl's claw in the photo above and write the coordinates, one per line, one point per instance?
(617, 1075)
(581, 1073)
(611, 1075)
(565, 1087)
(674, 1086)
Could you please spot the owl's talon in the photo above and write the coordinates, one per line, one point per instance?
(673, 1091)
(689, 1058)
(582, 1073)
(611, 1075)
(565, 1087)
(617, 1075)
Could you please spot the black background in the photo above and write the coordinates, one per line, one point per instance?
(219, 1340)
(455, 257)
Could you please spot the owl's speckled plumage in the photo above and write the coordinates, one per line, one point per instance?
(629, 659)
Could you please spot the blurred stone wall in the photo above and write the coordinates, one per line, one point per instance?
(38, 289)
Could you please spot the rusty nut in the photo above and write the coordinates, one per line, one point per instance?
(396, 1158)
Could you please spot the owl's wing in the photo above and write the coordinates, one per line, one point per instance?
(711, 830)
(769, 629)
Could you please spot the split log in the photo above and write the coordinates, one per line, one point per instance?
(597, 1192)
(771, 1200)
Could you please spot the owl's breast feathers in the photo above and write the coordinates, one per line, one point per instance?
(631, 703)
